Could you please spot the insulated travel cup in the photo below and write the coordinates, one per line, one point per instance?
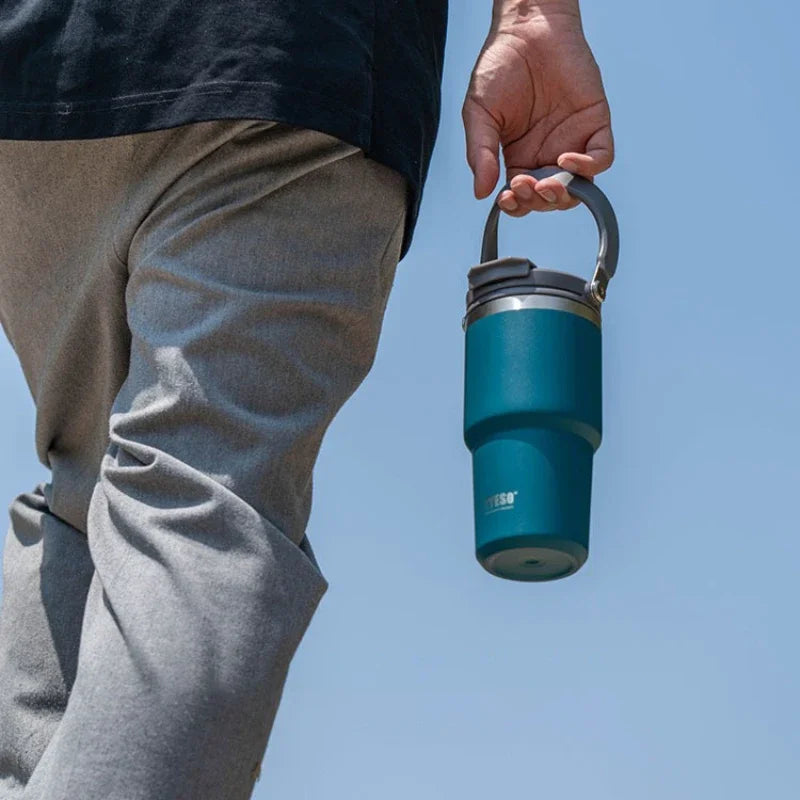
(532, 399)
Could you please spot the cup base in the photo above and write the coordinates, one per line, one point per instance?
(533, 558)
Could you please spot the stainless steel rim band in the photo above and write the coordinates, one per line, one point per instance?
(531, 301)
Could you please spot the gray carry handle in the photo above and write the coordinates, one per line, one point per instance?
(603, 214)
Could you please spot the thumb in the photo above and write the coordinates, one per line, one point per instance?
(483, 144)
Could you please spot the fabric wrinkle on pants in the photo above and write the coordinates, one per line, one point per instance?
(190, 308)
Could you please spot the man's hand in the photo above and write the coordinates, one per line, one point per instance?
(537, 91)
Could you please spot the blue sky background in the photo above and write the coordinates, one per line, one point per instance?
(667, 667)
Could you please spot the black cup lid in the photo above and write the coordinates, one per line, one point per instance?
(509, 276)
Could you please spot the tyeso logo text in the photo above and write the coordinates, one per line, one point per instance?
(503, 501)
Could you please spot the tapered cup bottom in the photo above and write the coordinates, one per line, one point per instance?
(532, 558)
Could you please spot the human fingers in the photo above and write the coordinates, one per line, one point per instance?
(526, 194)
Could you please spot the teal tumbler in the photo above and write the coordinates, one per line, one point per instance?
(533, 400)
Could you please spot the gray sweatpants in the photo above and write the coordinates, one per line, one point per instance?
(190, 307)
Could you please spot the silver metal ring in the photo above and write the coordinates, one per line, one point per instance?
(526, 301)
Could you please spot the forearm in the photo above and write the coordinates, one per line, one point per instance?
(517, 16)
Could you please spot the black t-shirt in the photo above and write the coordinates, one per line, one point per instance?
(366, 71)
